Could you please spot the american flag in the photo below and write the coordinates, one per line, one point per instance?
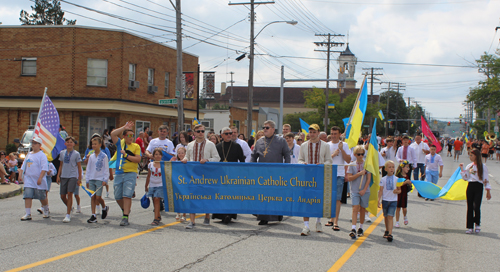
(47, 128)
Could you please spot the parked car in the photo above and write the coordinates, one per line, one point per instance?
(25, 144)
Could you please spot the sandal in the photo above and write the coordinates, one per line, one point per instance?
(469, 231)
(386, 234)
(390, 238)
(478, 229)
(406, 221)
(156, 222)
(329, 224)
(336, 228)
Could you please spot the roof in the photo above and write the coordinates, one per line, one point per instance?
(94, 28)
(347, 52)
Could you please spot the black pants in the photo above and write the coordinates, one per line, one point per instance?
(474, 198)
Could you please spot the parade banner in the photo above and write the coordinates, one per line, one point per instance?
(250, 188)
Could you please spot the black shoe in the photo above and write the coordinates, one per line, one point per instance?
(227, 219)
(352, 234)
(426, 199)
(263, 222)
(390, 238)
(386, 233)
(104, 212)
(92, 219)
(360, 232)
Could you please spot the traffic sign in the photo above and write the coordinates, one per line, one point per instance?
(167, 101)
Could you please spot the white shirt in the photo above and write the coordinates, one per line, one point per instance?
(389, 184)
(246, 149)
(411, 157)
(438, 161)
(166, 145)
(155, 177)
(338, 160)
(97, 167)
(390, 154)
(52, 170)
(324, 156)
(294, 154)
(179, 146)
(470, 174)
(32, 167)
(418, 150)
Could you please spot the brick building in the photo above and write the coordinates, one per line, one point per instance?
(97, 78)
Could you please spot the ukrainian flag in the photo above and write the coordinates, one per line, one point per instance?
(88, 191)
(466, 139)
(304, 126)
(253, 133)
(353, 130)
(331, 106)
(455, 188)
(195, 121)
(372, 166)
(381, 115)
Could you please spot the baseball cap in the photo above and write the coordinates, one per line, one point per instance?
(37, 139)
(314, 126)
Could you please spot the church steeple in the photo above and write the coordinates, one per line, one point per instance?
(347, 64)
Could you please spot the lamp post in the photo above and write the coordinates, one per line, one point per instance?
(250, 73)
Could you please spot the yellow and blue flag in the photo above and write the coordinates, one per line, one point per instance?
(372, 166)
(253, 133)
(466, 138)
(353, 130)
(455, 188)
(304, 126)
(195, 121)
(331, 106)
(381, 115)
(88, 191)
(47, 128)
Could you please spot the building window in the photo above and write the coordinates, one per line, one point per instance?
(236, 123)
(151, 77)
(33, 117)
(187, 126)
(97, 72)
(208, 123)
(140, 125)
(131, 72)
(28, 67)
(167, 82)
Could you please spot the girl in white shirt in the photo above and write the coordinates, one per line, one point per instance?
(476, 173)
(154, 184)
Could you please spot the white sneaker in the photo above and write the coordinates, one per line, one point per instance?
(397, 225)
(78, 209)
(66, 219)
(305, 231)
(367, 218)
(190, 225)
(46, 214)
(26, 217)
(319, 227)
(107, 194)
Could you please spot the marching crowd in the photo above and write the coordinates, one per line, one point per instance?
(399, 157)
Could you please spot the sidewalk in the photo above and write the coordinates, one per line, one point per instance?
(9, 190)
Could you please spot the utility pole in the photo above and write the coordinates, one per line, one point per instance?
(178, 77)
(252, 4)
(371, 74)
(232, 81)
(329, 45)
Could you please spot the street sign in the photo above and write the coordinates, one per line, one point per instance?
(366, 126)
(167, 101)
(496, 129)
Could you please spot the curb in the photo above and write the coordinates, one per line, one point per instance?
(17, 190)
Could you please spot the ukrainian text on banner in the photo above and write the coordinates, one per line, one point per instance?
(250, 188)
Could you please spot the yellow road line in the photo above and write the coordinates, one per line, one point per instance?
(76, 252)
(342, 260)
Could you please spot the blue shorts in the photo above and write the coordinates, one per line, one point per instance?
(33, 193)
(362, 201)
(340, 187)
(49, 183)
(155, 192)
(94, 184)
(124, 185)
(389, 207)
(432, 176)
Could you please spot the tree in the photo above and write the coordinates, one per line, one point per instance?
(45, 12)
(397, 107)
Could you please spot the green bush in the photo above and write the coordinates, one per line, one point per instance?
(10, 148)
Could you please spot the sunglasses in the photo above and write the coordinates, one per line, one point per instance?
(228, 133)
(266, 127)
(360, 154)
(130, 135)
(300, 140)
(199, 131)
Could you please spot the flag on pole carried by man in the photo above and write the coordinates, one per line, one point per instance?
(353, 130)
(47, 128)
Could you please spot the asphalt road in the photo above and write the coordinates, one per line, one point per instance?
(434, 240)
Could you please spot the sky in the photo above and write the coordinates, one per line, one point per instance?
(430, 45)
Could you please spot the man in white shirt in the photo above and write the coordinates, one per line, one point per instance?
(161, 142)
(314, 151)
(244, 145)
(341, 155)
(389, 152)
(407, 153)
(202, 150)
(421, 150)
(379, 140)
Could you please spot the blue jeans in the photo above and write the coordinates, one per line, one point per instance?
(420, 167)
(340, 187)
(124, 185)
(432, 176)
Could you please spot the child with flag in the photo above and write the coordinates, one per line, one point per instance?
(388, 198)
(33, 171)
(69, 175)
(360, 193)
(97, 177)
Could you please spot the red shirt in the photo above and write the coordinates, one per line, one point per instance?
(140, 142)
(458, 144)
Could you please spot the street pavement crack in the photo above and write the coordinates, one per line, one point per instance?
(252, 234)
